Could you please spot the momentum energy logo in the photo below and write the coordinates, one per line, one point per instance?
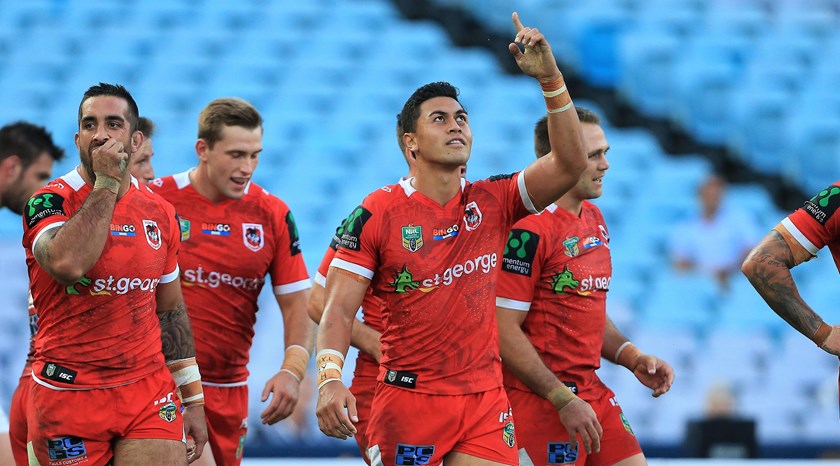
(404, 281)
(823, 205)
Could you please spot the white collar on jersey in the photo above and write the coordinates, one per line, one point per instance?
(74, 179)
(182, 180)
(409, 189)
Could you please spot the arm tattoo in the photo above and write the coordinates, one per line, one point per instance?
(771, 277)
(176, 334)
(42, 247)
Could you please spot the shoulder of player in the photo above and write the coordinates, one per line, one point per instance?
(385, 197)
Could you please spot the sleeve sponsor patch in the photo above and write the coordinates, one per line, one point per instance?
(501, 177)
(520, 250)
(349, 233)
(824, 204)
(294, 236)
(42, 206)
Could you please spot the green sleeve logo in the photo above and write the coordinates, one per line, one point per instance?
(350, 232)
(42, 206)
(520, 251)
(294, 236)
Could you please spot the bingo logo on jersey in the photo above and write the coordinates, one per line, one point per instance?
(215, 229)
(123, 230)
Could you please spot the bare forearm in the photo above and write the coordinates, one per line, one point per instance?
(69, 251)
(176, 334)
(334, 332)
(613, 339)
(768, 269)
(519, 355)
(366, 339)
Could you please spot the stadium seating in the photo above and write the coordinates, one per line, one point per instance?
(329, 76)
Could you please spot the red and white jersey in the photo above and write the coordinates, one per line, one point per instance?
(435, 268)
(817, 224)
(226, 251)
(103, 330)
(557, 268)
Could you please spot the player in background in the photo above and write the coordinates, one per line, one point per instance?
(233, 233)
(439, 395)
(554, 329)
(365, 334)
(141, 162)
(112, 327)
(27, 153)
(797, 239)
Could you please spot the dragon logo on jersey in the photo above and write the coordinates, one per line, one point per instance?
(823, 205)
(563, 280)
(85, 281)
(472, 216)
(403, 281)
(152, 233)
(350, 231)
(571, 245)
(294, 236)
(412, 237)
(520, 250)
(252, 236)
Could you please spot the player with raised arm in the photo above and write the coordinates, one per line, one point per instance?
(554, 328)
(439, 395)
(233, 233)
(113, 331)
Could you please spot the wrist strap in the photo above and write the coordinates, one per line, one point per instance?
(108, 182)
(557, 98)
(560, 397)
(627, 355)
(295, 361)
(188, 380)
(822, 333)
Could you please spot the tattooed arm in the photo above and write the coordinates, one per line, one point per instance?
(768, 269)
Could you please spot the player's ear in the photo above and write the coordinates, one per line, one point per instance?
(201, 148)
(137, 139)
(410, 142)
(11, 167)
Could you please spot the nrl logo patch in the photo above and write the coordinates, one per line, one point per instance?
(152, 233)
(253, 236)
(412, 237)
(168, 412)
(184, 225)
(571, 246)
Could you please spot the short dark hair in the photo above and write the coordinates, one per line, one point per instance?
(27, 141)
(146, 126)
(227, 111)
(116, 90)
(541, 144)
(407, 119)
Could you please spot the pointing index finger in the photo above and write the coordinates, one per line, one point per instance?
(516, 22)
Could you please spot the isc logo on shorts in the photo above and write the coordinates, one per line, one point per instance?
(409, 455)
(561, 453)
(63, 448)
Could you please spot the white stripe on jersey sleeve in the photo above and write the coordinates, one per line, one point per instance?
(48, 227)
(513, 304)
(799, 237)
(523, 193)
(293, 287)
(171, 276)
(320, 279)
(351, 267)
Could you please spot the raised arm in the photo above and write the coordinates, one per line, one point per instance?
(520, 356)
(551, 176)
(67, 252)
(336, 409)
(768, 269)
(179, 351)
